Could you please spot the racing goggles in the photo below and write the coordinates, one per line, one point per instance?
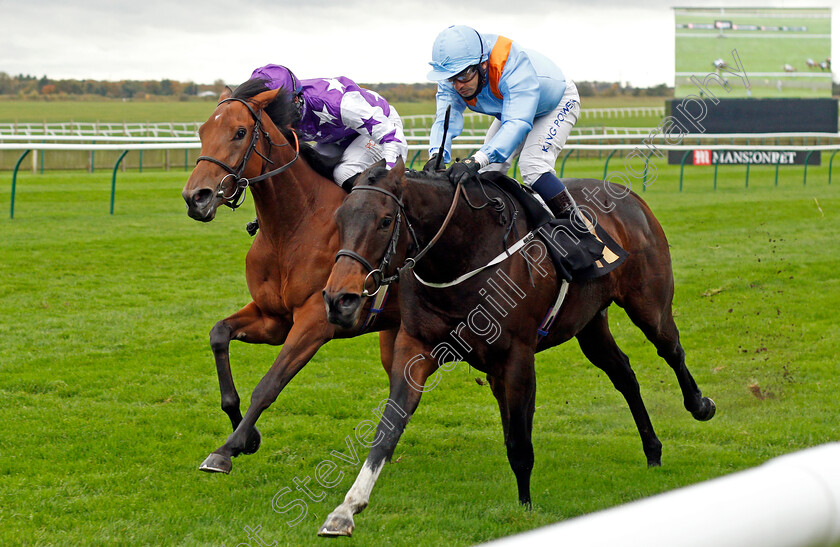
(465, 75)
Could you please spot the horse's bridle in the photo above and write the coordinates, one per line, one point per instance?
(377, 273)
(241, 183)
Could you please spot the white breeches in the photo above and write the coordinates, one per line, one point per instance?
(538, 152)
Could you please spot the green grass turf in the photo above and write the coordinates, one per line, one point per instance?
(696, 55)
(759, 52)
(111, 399)
(112, 111)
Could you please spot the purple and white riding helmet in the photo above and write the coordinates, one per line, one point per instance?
(278, 76)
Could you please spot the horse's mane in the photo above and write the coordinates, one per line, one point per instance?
(440, 181)
(433, 180)
(284, 113)
(431, 177)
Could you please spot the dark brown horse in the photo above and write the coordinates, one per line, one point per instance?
(491, 319)
(290, 259)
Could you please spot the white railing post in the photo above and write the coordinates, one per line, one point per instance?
(790, 501)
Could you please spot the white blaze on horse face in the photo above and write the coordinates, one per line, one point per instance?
(217, 117)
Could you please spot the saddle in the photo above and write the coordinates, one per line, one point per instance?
(577, 253)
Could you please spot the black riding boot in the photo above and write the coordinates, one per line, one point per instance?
(554, 194)
(563, 206)
(596, 254)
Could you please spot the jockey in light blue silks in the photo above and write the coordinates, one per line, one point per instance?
(343, 120)
(535, 107)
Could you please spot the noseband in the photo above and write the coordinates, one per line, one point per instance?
(241, 183)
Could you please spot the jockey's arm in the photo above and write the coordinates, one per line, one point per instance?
(520, 90)
(370, 121)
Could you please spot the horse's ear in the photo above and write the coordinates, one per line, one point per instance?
(226, 93)
(397, 174)
(397, 171)
(265, 98)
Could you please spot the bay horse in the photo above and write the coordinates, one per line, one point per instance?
(491, 320)
(290, 258)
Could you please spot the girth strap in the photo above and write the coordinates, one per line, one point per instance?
(504, 255)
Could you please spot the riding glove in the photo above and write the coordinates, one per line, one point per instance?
(430, 165)
(461, 172)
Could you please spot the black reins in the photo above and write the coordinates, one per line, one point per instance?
(241, 183)
(377, 273)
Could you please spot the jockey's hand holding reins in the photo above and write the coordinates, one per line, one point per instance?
(433, 165)
(461, 172)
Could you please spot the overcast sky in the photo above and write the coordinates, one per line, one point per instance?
(369, 41)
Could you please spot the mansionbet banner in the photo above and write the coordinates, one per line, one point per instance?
(743, 157)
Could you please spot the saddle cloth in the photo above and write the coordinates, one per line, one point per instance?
(577, 253)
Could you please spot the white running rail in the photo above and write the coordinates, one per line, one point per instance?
(790, 501)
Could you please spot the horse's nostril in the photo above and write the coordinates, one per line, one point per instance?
(202, 196)
(342, 303)
(348, 301)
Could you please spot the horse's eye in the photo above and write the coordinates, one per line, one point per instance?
(385, 222)
(240, 134)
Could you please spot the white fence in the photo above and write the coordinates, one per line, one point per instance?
(190, 129)
(462, 143)
(169, 129)
(640, 134)
(645, 140)
(790, 501)
(641, 142)
(625, 112)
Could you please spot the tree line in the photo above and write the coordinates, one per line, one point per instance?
(24, 86)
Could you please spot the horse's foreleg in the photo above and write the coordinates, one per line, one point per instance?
(309, 332)
(412, 367)
(386, 348)
(515, 393)
(249, 325)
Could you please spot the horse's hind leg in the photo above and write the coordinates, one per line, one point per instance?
(515, 395)
(659, 327)
(249, 325)
(599, 346)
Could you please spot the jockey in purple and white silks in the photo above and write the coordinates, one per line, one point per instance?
(343, 120)
(534, 104)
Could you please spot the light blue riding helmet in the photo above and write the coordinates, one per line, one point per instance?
(456, 48)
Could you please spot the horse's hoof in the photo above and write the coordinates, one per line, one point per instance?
(253, 442)
(707, 412)
(337, 525)
(216, 463)
(653, 453)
